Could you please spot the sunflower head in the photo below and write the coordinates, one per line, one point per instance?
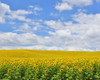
(61, 70)
(14, 67)
(37, 70)
(46, 71)
(9, 70)
(18, 67)
(80, 69)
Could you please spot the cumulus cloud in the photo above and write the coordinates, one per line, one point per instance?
(69, 4)
(36, 47)
(84, 18)
(20, 15)
(4, 8)
(81, 35)
(79, 2)
(10, 38)
(42, 47)
(55, 24)
(29, 27)
(63, 6)
(23, 28)
(17, 14)
(21, 12)
(35, 9)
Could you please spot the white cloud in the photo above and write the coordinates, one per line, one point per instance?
(69, 4)
(17, 14)
(63, 33)
(29, 27)
(36, 47)
(55, 24)
(52, 33)
(37, 25)
(63, 6)
(21, 12)
(42, 47)
(24, 28)
(10, 38)
(82, 35)
(35, 9)
(4, 8)
(30, 6)
(84, 18)
(20, 15)
(79, 2)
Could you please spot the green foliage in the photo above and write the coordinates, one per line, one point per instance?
(56, 72)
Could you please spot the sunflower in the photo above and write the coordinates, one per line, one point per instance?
(18, 67)
(80, 69)
(46, 71)
(9, 70)
(37, 70)
(14, 67)
(61, 70)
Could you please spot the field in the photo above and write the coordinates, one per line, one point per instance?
(49, 65)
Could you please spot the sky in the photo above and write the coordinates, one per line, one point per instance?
(70, 25)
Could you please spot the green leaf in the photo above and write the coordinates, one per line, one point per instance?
(67, 75)
(96, 76)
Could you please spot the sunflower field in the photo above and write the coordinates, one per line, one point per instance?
(49, 65)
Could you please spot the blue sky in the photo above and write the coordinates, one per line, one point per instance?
(50, 24)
